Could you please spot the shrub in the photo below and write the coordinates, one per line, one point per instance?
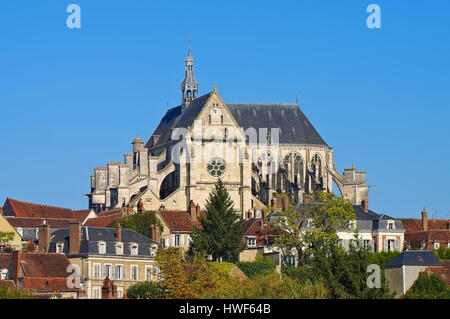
(8, 292)
(140, 222)
(144, 290)
(428, 286)
(222, 268)
(258, 267)
(382, 258)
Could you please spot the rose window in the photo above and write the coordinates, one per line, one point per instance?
(216, 167)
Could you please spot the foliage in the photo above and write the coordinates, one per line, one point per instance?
(6, 237)
(8, 292)
(140, 222)
(144, 290)
(222, 268)
(428, 286)
(268, 286)
(221, 234)
(181, 279)
(383, 257)
(442, 253)
(258, 267)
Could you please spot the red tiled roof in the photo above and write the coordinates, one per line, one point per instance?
(103, 221)
(17, 208)
(415, 224)
(177, 220)
(45, 265)
(5, 260)
(431, 235)
(263, 232)
(33, 222)
(109, 212)
(47, 284)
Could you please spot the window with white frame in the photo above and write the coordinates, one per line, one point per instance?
(148, 273)
(448, 245)
(4, 273)
(166, 242)
(102, 247)
(107, 271)
(134, 272)
(391, 244)
(251, 241)
(59, 248)
(177, 240)
(436, 245)
(119, 272)
(119, 249)
(134, 249)
(153, 250)
(96, 271)
(96, 292)
(391, 225)
(119, 292)
(366, 243)
(20, 231)
(422, 245)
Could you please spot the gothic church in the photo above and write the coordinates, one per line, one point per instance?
(257, 149)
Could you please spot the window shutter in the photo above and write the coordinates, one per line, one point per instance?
(371, 244)
(173, 240)
(181, 240)
(396, 245)
(385, 245)
(124, 276)
(105, 271)
(113, 271)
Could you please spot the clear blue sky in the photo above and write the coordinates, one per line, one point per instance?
(74, 99)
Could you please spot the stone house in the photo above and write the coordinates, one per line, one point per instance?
(426, 233)
(121, 255)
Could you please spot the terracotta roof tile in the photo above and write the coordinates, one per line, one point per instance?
(263, 232)
(45, 265)
(177, 220)
(415, 224)
(47, 284)
(103, 221)
(34, 222)
(17, 208)
(5, 260)
(109, 212)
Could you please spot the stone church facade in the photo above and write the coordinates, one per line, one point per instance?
(257, 150)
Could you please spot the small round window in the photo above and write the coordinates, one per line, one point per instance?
(216, 167)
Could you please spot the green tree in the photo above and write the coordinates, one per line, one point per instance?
(140, 222)
(6, 237)
(144, 290)
(428, 286)
(8, 292)
(221, 232)
(258, 267)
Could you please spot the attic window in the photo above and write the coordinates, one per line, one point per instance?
(251, 241)
(119, 249)
(391, 225)
(102, 247)
(59, 248)
(134, 249)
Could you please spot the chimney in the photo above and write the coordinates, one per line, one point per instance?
(44, 237)
(155, 233)
(197, 211)
(119, 232)
(109, 290)
(365, 205)
(17, 258)
(74, 237)
(31, 247)
(424, 220)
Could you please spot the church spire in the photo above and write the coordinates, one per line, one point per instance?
(189, 86)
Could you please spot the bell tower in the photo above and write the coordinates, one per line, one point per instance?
(189, 86)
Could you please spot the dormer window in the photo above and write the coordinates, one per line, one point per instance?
(391, 225)
(134, 249)
(153, 250)
(119, 249)
(251, 241)
(59, 248)
(102, 247)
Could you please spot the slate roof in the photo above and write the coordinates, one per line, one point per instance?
(295, 128)
(17, 208)
(414, 258)
(90, 236)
